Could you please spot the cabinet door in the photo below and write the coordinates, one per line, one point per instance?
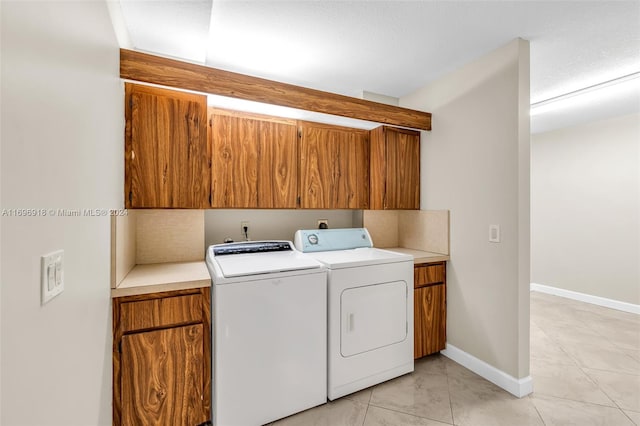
(277, 168)
(254, 163)
(167, 156)
(403, 169)
(235, 162)
(395, 168)
(163, 377)
(334, 167)
(429, 327)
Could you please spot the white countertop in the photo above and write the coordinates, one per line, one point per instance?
(420, 256)
(158, 277)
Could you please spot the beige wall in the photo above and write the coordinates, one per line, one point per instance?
(62, 147)
(272, 224)
(585, 196)
(475, 163)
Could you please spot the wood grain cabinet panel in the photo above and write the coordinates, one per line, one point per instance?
(234, 162)
(429, 274)
(278, 167)
(162, 358)
(160, 312)
(334, 167)
(429, 308)
(167, 155)
(395, 169)
(162, 381)
(254, 162)
(429, 324)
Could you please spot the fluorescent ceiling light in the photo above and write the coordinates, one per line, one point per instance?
(616, 88)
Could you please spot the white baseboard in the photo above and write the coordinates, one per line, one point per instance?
(587, 298)
(517, 387)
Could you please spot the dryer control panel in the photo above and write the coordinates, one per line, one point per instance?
(313, 240)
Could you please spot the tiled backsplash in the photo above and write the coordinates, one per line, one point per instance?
(162, 236)
(155, 236)
(426, 230)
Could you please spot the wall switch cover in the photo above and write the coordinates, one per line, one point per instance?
(52, 275)
(494, 233)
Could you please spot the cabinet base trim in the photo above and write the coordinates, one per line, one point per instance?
(517, 387)
(587, 298)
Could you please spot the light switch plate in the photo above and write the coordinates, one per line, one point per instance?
(494, 233)
(52, 275)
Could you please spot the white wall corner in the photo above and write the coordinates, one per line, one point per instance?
(587, 298)
(517, 387)
(524, 206)
(496, 331)
(119, 24)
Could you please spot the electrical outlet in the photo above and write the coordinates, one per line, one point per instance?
(52, 275)
(323, 223)
(244, 229)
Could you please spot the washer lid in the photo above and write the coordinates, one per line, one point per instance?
(239, 265)
(359, 257)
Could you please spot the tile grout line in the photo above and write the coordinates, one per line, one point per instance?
(614, 347)
(575, 360)
(366, 411)
(453, 420)
(544, 395)
(632, 421)
(603, 391)
(410, 414)
(535, 407)
(579, 365)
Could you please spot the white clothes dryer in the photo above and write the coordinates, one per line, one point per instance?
(370, 308)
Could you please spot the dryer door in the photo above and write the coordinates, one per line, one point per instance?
(373, 316)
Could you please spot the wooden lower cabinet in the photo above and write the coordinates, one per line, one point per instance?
(429, 308)
(162, 359)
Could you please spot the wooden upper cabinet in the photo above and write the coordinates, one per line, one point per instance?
(334, 167)
(167, 155)
(395, 169)
(254, 162)
(278, 166)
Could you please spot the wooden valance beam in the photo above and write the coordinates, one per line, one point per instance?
(154, 69)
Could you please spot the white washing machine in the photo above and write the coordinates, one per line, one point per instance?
(269, 332)
(370, 308)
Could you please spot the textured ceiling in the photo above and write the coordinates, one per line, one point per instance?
(392, 47)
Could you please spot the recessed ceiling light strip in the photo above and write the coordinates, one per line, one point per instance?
(587, 89)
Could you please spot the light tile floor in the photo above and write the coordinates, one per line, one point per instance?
(585, 364)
